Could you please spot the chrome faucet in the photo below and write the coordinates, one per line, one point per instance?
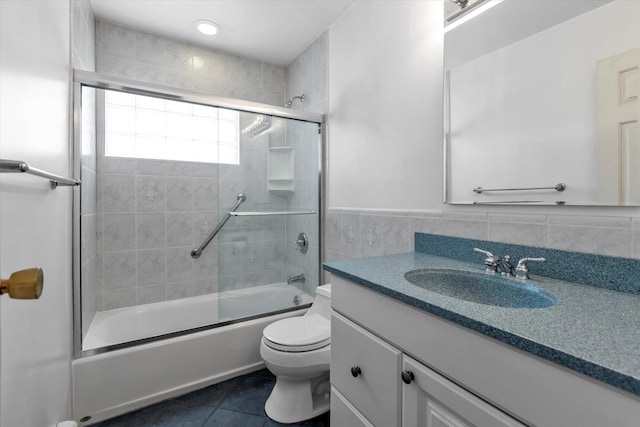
(296, 279)
(491, 262)
(522, 271)
(506, 266)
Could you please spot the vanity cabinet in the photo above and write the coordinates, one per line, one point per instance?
(458, 377)
(374, 384)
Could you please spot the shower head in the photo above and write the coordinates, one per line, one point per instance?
(290, 102)
(461, 3)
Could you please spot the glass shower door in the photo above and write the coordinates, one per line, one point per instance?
(263, 266)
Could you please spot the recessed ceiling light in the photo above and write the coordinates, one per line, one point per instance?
(207, 27)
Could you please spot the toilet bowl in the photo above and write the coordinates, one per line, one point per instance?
(297, 351)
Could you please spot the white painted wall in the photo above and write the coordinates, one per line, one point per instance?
(35, 222)
(385, 106)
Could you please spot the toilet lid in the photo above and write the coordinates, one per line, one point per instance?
(297, 334)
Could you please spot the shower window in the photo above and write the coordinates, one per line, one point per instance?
(153, 128)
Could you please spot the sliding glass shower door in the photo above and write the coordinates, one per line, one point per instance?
(160, 171)
(263, 265)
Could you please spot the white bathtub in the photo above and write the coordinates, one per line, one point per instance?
(119, 381)
(134, 323)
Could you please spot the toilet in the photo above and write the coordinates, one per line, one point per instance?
(297, 351)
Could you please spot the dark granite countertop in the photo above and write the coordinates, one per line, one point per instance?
(591, 330)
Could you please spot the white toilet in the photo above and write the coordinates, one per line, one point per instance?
(297, 351)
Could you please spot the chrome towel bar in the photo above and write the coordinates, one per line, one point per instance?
(18, 166)
(558, 187)
(198, 251)
(272, 213)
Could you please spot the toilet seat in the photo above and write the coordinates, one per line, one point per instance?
(298, 334)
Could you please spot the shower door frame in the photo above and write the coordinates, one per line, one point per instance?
(102, 81)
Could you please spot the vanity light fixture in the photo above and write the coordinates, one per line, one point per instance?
(482, 6)
(207, 27)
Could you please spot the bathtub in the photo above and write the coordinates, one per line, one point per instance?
(115, 382)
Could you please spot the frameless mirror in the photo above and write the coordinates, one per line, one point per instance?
(541, 104)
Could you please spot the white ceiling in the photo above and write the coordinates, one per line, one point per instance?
(273, 31)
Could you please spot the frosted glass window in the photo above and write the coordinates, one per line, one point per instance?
(154, 128)
(119, 98)
(121, 119)
(121, 145)
(149, 122)
(228, 131)
(204, 111)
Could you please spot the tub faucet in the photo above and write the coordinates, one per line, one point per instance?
(296, 279)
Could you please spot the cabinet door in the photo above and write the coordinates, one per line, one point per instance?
(344, 414)
(431, 400)
(365, 370)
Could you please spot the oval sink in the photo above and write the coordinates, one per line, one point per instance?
(481, 288)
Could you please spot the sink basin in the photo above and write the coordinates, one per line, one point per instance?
(481, 288)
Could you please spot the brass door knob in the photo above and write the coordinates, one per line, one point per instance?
(24, 284)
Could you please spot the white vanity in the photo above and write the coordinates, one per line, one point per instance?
(396, 365)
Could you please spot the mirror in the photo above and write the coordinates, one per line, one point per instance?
(541, 104)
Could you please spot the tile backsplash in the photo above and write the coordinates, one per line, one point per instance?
(351, 233)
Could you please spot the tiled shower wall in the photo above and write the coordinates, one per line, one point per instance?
(152, 213)
(129, 53)
(83, 58)
(307, 75)
(352, 233)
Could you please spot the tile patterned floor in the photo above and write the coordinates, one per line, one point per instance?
(238, 402)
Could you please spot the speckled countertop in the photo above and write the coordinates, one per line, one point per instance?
(591, 330)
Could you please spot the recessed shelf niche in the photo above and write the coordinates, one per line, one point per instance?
(281, 167)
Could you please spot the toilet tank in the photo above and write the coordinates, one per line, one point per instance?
(322, 304)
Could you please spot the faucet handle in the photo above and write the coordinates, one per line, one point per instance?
(492, 262)
(522, 271)
(482, 251)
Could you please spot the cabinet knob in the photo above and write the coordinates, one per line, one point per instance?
(407, 377)
(355, 371)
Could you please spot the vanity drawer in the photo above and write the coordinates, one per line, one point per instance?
(365, 370)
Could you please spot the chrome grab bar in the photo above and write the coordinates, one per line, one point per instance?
(18, 166)
(558, 187)
(198, 251)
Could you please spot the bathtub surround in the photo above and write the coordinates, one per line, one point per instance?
(125, 52)
(308, 75)
(145, 244)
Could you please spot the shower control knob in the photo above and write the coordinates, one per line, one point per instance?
(355, 371)
(407, 377)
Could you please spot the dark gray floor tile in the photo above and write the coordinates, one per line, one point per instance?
(239, 402)
(170, 413)
(319, 421)
(226, 418)
(251, 394)
(210, 396)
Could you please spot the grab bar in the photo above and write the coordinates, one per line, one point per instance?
(558, 187)
(18, 166)
(198, 251)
